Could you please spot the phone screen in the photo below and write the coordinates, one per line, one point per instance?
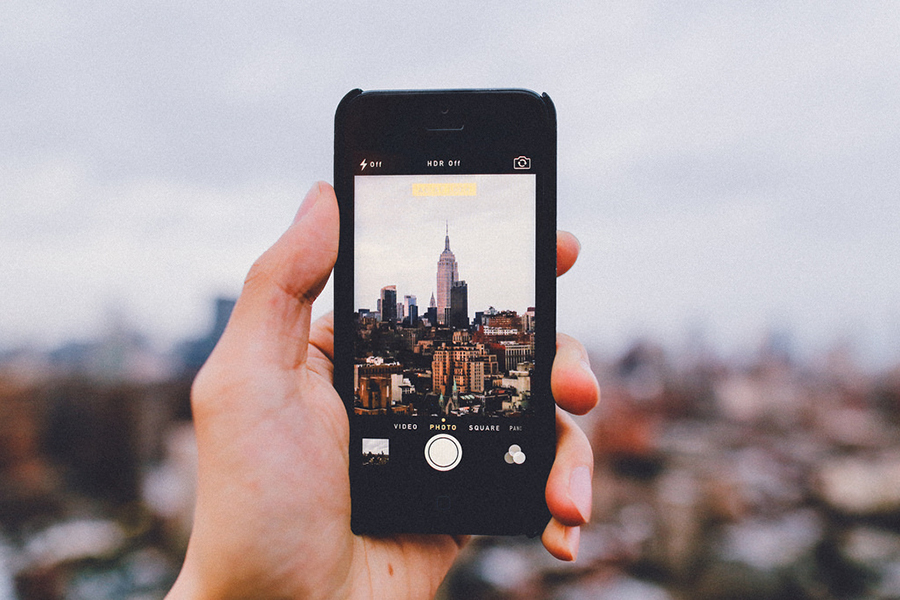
(444, 299)
(450, 341)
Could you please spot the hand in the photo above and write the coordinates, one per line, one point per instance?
(272, 518)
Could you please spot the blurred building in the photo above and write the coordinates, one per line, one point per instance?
(194, 353)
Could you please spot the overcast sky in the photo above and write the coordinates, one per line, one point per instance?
(730, 168)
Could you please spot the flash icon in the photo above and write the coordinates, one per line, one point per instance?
(362, 165)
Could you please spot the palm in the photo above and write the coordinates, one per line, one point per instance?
(281, 488)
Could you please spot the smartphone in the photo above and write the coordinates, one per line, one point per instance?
(445, 308)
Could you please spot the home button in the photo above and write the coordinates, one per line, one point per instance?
(443, 452)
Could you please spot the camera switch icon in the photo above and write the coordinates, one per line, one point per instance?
(521, 163)
(514, 455)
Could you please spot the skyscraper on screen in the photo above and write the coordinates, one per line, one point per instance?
(447, 274)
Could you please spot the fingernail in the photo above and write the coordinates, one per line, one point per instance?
(587, 369)
(586, 365)
(308, 202)
(580, 492)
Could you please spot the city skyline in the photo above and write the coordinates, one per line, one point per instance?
(491, 234)
(399, 311)
(468, 371)
(452, 305)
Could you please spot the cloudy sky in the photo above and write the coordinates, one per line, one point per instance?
(730, 168)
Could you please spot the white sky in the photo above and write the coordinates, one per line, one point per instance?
(730, 168)
(400, 237)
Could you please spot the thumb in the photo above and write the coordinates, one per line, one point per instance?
(270, 321)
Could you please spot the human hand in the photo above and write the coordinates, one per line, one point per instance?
(272, 518)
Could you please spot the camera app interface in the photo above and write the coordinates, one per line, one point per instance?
(444, 301)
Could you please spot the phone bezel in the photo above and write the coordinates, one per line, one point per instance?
(408, 126)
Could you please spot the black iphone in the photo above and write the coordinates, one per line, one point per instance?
(445, 308)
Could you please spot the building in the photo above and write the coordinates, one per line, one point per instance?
(447, 273)
(510, 354)
(520, 380)
(411, 310)
(501, 327)
(374, 395)
(374, 368)
(507, 319)
(528, 320)
(468, 366)
(389, 304)
(459, 305)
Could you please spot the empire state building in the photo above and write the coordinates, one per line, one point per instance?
(447, 274)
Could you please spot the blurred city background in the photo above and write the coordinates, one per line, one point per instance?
(730, 171)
